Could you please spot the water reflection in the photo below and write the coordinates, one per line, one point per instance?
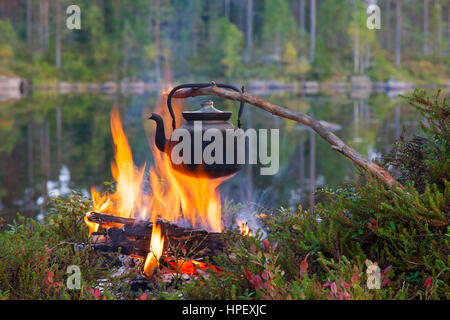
(53, 143)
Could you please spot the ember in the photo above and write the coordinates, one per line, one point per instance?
(190, 267)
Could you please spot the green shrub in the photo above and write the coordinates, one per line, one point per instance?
(323, 254)
(35, 256)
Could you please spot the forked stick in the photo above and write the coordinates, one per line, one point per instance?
(335, 142)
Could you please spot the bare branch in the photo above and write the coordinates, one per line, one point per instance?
(336, 143)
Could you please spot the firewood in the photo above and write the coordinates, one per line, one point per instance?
(133, 238)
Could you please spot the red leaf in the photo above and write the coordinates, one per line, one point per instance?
(385, 270)
(385, 282)
(265, 274)
(256, 281)
(345, 284)
(50, 275)
(266, 243)
(275, 246)
(304, 266)
(249, 275)
(97, 294)
(143, 296)
(428, 282)
(333, 288)
(355, 275)
(345, 296)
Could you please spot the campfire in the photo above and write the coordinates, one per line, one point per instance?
(179, 215)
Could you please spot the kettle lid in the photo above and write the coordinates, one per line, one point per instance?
(207, 112)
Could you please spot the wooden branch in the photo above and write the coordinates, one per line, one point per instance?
(133, 238)
(336, 143)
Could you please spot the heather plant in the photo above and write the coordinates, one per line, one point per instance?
(35, 256)
(324, 254)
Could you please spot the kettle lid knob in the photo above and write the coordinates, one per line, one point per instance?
(208, 106)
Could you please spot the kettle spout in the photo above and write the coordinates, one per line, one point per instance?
(160, 136)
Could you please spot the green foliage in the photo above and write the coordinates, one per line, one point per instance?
(323, 254)
(8, 40)
(35, 256)
(424, 160)
(134, 39)
(294, 67)
(229, 45)
(279, 25)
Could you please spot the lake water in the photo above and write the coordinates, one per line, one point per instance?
(51, 144)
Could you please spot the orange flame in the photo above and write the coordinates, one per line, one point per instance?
(156, 249)
(243, 227)
(190, 267)
(93, 227)
(174, 196)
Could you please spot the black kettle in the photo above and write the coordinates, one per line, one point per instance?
(209, 118)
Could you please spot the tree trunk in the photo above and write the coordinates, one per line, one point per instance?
(448, 28)
(29, 24)
(226, 5)
(44, 24)
(425, 27)
(387, 32)
(241, 14)
(312, 44)
(439, 51)
(301, 18)
(58, 34)
(249, 29)
(356, 59)
(398, 32)
(157, 41)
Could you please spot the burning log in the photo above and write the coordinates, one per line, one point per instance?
(133, 238)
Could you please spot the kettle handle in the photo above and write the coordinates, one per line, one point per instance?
(203, 85)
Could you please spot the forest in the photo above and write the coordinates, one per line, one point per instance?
(225, 39)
